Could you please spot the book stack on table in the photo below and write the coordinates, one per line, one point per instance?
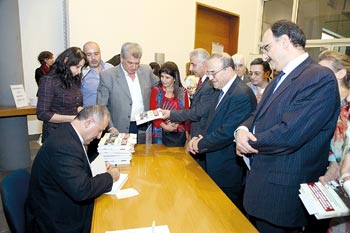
(117, 149)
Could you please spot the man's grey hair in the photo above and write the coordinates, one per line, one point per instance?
(133, 48)
(98, 112)
(225, 58)
(201, 54)
(239, 59)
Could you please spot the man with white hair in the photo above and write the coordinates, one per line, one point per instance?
(240, 67)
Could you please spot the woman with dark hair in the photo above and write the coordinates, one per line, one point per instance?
(46, 60)
(171, 95)
(59, 95)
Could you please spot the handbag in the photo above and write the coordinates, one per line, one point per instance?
(173, 139)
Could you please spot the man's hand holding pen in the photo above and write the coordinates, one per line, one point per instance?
(113, 171)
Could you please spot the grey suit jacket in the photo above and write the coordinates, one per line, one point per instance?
(113, 92)
(200, 107)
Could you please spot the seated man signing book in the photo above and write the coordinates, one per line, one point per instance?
(62, 189)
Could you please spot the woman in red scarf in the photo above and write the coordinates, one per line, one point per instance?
(169, 94)
(46, 60)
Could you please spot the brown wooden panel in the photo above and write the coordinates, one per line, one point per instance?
(217, 26)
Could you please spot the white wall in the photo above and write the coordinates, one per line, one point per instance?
(165, 26)
(159, 26)
(42, 28)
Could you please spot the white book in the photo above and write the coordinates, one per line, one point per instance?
(120, 140)
(324, 202)
(118, 184)
(147, 116)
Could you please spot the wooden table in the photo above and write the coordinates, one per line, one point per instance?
(174, 191)
(10, 111)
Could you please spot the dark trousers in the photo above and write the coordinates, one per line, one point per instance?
(140, 130)
(267, 227)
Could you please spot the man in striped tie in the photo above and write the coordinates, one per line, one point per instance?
(287, 138)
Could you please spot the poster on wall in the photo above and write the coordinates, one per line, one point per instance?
(216, 48)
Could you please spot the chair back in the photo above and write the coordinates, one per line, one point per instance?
(14, 190)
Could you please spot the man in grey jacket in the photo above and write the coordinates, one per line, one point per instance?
(125, 90)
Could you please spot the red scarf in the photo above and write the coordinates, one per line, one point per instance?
(45, 69)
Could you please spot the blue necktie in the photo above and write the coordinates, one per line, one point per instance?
(277, 80)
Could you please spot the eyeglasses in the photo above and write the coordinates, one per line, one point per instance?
(256, 73)
(265, 48)
(213, 73)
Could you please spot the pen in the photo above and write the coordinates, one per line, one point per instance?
(153, 226)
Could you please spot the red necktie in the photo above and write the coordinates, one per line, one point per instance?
(199, 83)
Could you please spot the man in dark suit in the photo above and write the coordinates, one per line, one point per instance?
(287, 138)
(62, 189)
(201, 100)
(234, 105)
(125, 90)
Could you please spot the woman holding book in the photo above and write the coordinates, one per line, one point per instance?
(171, 95)
(339, 155)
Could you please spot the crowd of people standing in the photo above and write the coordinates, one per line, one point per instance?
(253, 134)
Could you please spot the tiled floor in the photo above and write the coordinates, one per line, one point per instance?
(34, 147)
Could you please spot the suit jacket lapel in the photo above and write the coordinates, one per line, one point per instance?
(282, 88)
(201, 87)
(78, 142)
(121, 79)
(142, 83)
(214, 110)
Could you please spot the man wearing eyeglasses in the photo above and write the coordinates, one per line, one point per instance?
(234, 105)
(287, 137)
(260, 72)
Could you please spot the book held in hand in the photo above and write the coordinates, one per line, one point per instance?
(325, 202)
(147, 116)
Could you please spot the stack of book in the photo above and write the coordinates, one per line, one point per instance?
(117, 149)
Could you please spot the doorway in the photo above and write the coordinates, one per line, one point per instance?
(216, 26)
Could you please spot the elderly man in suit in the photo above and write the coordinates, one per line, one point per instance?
(234, 104)
(125, 90)
(287, 138)
(201, 100)
(62, 189)
(240, 67)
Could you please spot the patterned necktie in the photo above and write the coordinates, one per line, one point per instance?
(219, 98)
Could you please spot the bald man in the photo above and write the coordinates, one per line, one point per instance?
(91, 76)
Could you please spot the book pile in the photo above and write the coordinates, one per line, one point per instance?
(325, 202)
(117, 149)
